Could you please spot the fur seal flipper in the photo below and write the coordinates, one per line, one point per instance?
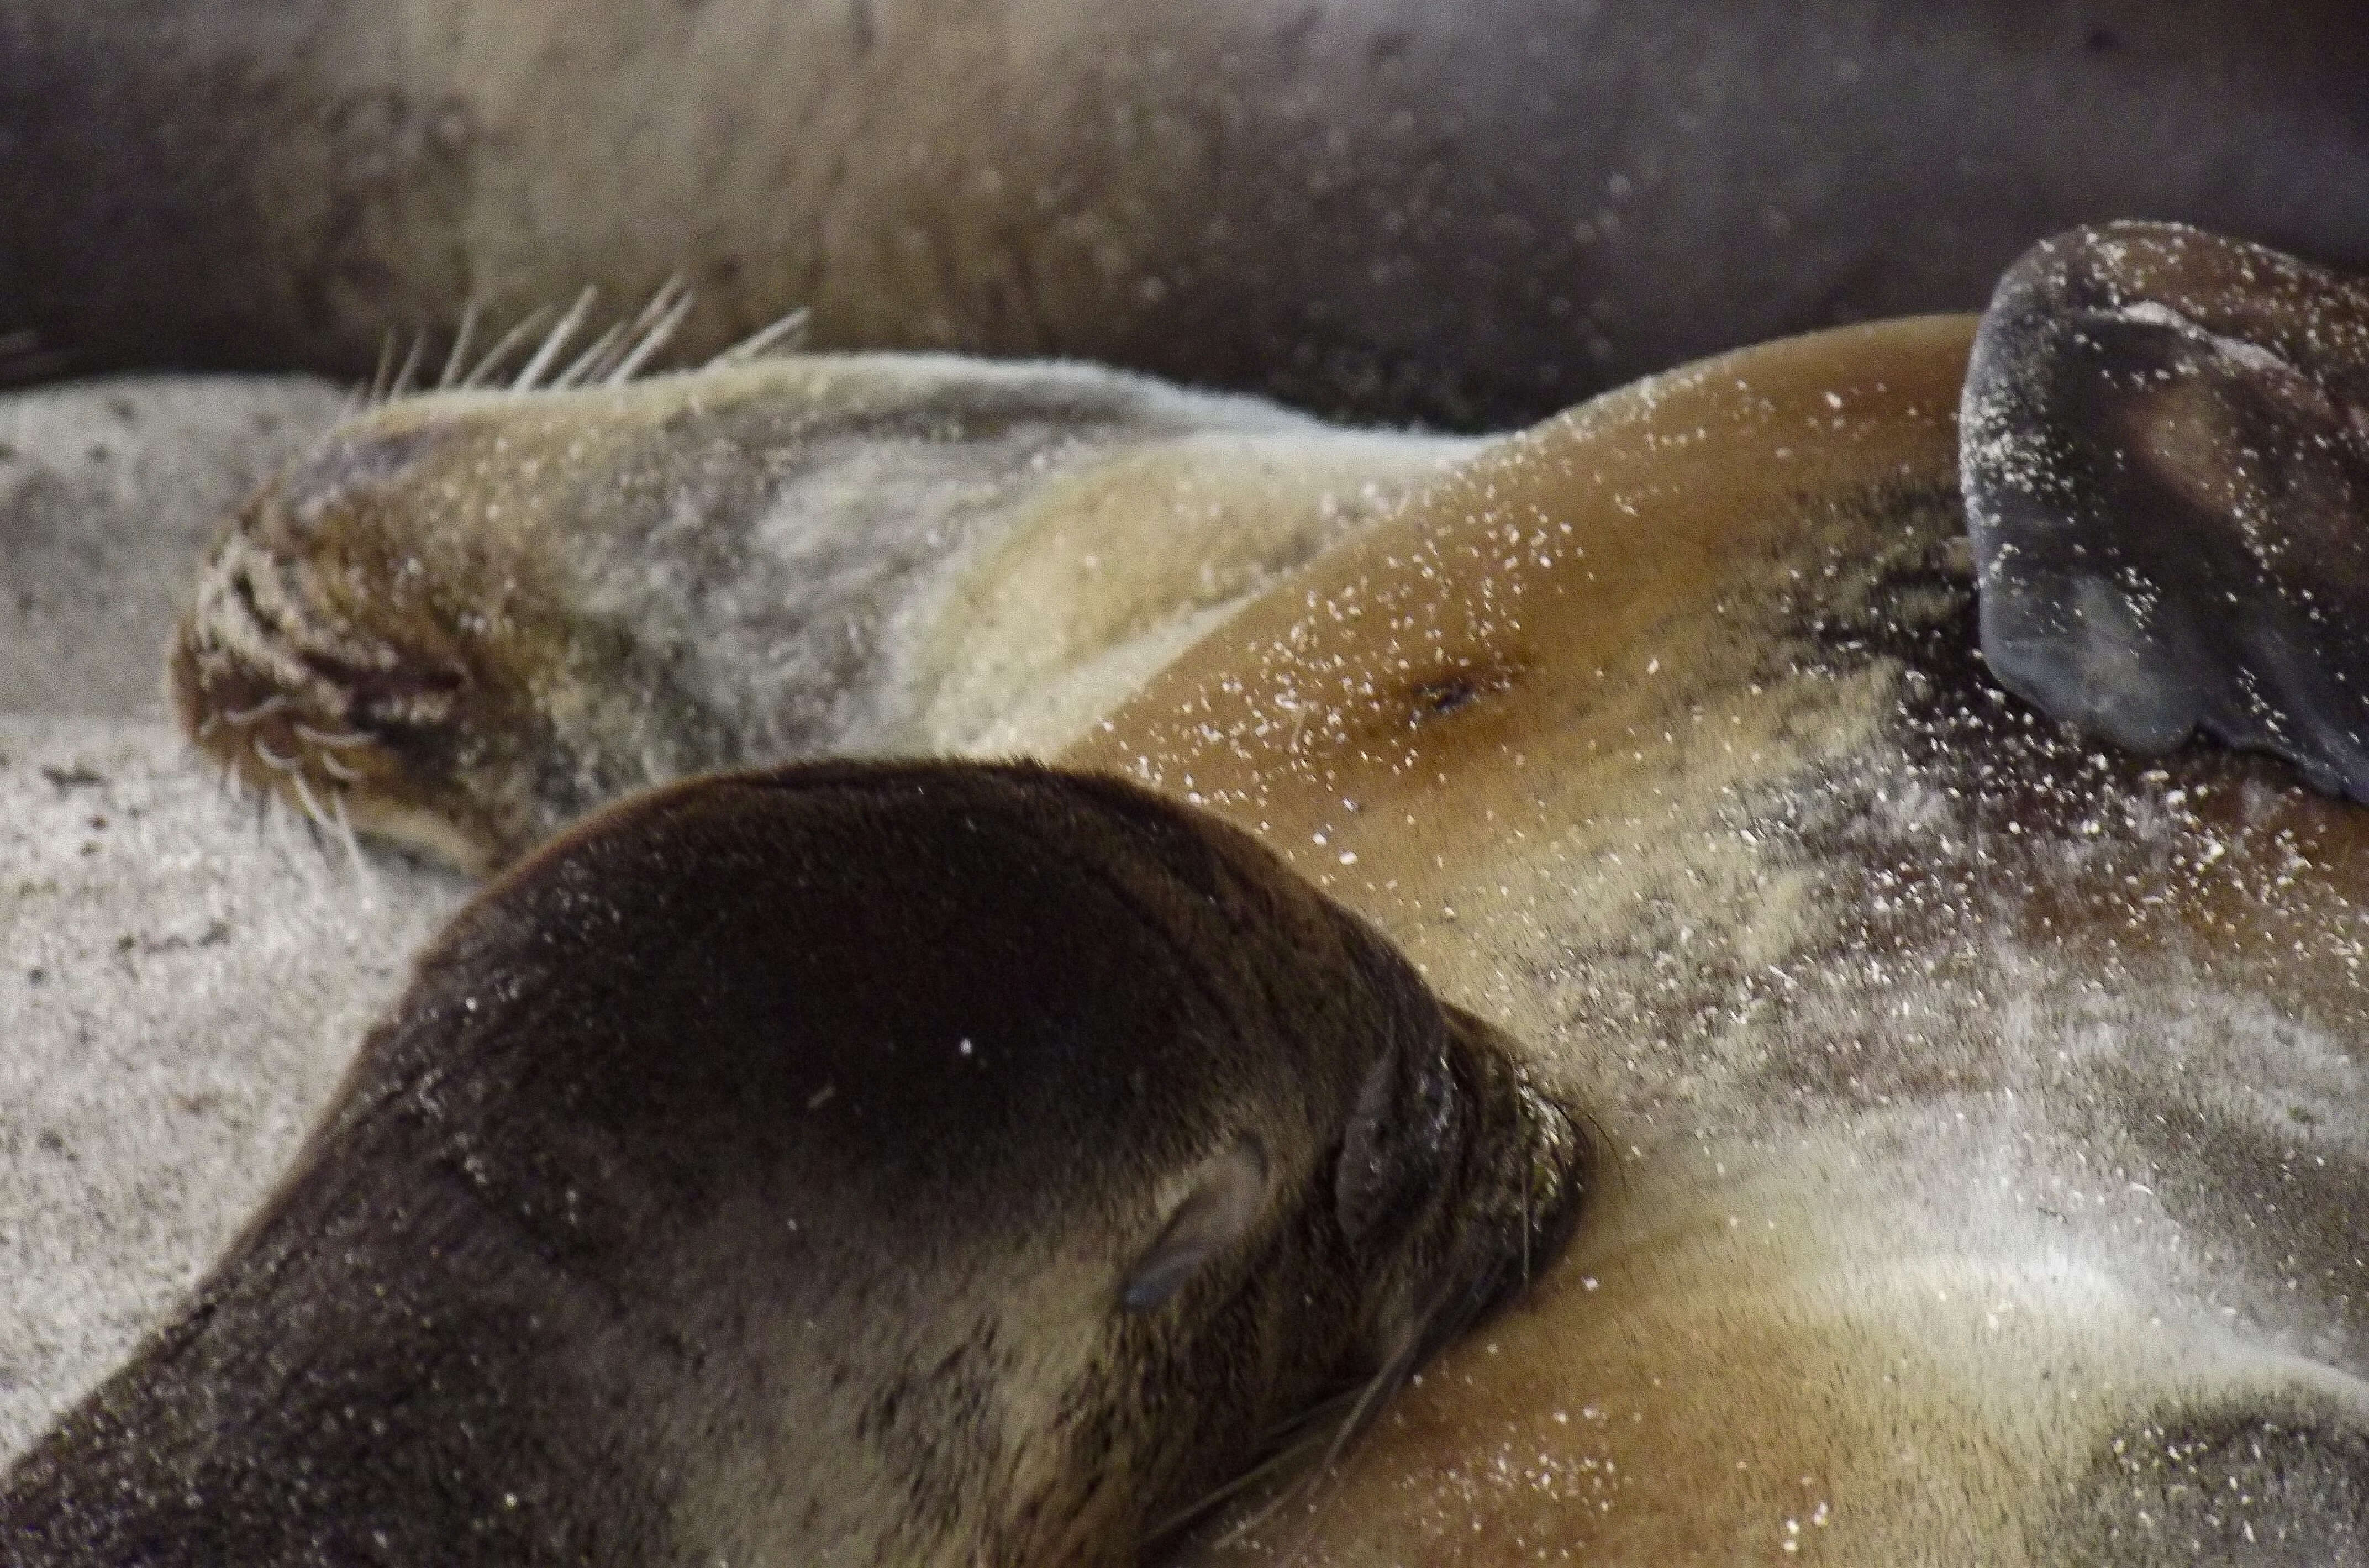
(927, 1164)
(2167, 482)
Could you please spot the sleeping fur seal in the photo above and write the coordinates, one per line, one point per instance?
(1470, 214)
(1982, 1098)
(886, 1165)
(468, 616)
(1987, 1100)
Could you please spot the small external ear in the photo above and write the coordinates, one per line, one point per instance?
(1390, 1155)
(1224, 1201)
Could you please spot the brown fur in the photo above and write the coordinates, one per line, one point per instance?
(873, 1165)
(1985, 1103)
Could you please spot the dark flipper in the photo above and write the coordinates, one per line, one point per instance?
(2167, 472)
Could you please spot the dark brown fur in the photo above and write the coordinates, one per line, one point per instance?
(759, 1172)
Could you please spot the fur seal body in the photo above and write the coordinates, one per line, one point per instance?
(1472, 215)
(849, 1165)
(467, 617)
(1986, 1099)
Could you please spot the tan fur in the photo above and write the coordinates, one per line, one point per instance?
(1877, 984)
(1985, 1100)
(475, 593)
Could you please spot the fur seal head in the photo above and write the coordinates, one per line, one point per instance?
(468, 618)
(884, 1164)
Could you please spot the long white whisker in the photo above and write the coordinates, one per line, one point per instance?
(316, 821)
(386, 369)
(459, 357)
(305, 732)
(304, 797)
(766, 339)
(650, 318)
(565, 329)
(504, 345)
(367, 877)
(655, 339)
(402, 384)
(242, 717)
(586, 365)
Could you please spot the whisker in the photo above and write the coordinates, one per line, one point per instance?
(337, 768)
(459, 357)
(1299, 1438)
(401, 385)
(377, 392)
(353, 845)
(624, 340)
(304, 797)
(654, 337)
(316, 821)
(242, 717)
(565, 329)
(506, 346)
(584, 367)
(271, 758)
(346, 737)
(767, 339)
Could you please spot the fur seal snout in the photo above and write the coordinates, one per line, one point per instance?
(879, 1164)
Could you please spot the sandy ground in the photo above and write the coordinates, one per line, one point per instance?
(179, 986)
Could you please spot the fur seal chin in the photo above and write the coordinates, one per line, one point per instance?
(922, 1165)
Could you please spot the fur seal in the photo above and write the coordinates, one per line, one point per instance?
(1989, 1171)
(1983, 1099)
(1472, 215)
(865, 1164)
(469, 616)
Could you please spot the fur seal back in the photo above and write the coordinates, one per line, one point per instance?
(1988, 1172)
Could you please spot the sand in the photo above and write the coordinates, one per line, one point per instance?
(180, 984)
